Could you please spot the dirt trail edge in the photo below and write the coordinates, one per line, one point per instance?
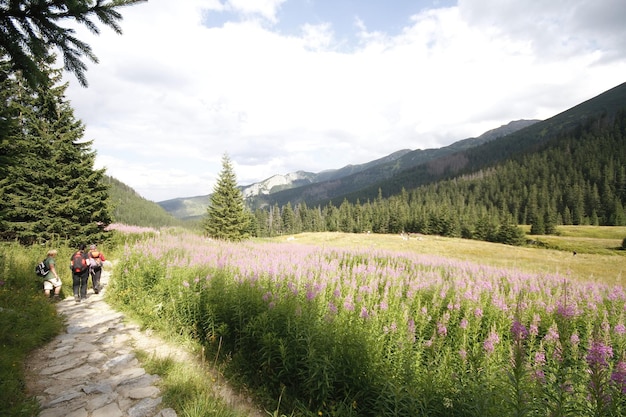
(90, 370)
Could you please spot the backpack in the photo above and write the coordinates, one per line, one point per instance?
(42, 269)
(79, 263)
(95, 261)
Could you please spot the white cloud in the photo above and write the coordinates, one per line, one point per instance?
(171, 96)
(264, 8)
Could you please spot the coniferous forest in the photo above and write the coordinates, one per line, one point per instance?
(576, 178)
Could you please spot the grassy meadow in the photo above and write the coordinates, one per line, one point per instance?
(369, 325)
(329, 324)
(598, 255)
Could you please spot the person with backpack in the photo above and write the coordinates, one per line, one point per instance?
(96, 260)
(80, 273)
(51, 279)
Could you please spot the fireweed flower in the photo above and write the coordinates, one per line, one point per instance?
(552, 335)
(491, 342)
(618, 376)
(464, 323)
(533, 330)
(567, 311)
(518, 330)
(332, 307)
(540, 361)
(599, 354)
(620, 329)
(185, 284)
(442, 330)
(540, 358)
(574, 339)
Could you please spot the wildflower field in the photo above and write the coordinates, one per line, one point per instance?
(349, 332)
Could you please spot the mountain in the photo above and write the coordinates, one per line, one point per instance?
(335, 189)
(188, 208)
(132, 209)
(408, 169)
(291, 186)
(530, 139)
(279, 182)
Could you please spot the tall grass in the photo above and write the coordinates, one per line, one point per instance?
(592, 261)
(27, 321)
(348, 332)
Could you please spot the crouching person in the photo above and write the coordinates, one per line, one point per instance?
(52, 282)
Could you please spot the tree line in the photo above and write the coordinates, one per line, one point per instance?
(578, 178)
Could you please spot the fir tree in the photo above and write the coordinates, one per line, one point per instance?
(50, 190)
(226, 217)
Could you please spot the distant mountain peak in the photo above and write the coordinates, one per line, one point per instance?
(507, 129)
(277, 182)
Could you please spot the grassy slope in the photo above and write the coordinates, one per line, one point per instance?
(598, 257)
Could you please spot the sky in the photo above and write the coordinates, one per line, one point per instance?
(285, 85)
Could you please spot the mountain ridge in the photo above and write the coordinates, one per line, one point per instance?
(255, 194)
(408, 169)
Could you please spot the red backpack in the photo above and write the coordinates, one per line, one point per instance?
(79, 262)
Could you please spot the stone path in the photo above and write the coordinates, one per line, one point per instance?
(91, 369)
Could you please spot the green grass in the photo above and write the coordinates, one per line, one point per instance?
(598, 254)
(27, 321)
(186, 387)
(276, 334)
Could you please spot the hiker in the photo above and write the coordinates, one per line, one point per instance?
(96, 260)
(51, 279)
(80, 273)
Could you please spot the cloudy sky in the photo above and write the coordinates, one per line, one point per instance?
(287, 85)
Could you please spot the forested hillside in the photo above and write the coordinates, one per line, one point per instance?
(365, 182)
(528, 140)
(130, 208)
(575, 173)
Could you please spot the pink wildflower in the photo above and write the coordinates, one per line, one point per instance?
(618, 377)
(464, 323)
(598, 354)
(552, 335)
(519, 331)
(492, 340)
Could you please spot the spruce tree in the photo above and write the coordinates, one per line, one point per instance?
(28, 30)
(227, 218)
(50, 190)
